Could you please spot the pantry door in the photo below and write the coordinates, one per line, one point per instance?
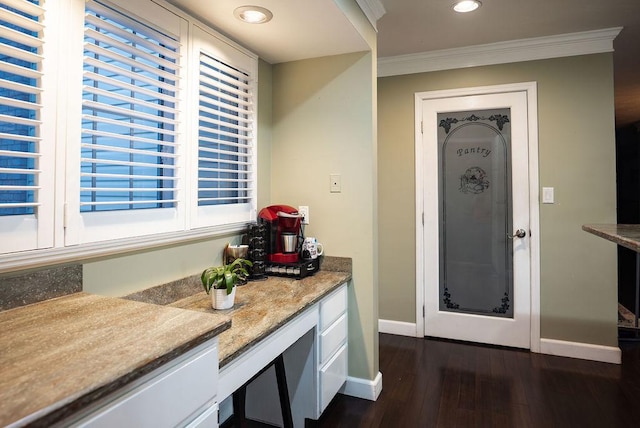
(476, 218)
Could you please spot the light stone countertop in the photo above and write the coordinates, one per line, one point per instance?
(60, 355)
(261, 307)
(627, 235)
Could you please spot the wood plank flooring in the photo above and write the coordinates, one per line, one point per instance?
(434, 383)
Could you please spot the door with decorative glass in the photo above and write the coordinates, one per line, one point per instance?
(476, 197)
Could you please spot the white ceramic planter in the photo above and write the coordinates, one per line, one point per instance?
(221, 300)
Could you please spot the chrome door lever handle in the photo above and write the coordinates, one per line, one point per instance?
(520, 233)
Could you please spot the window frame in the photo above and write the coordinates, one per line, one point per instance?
(62, 115)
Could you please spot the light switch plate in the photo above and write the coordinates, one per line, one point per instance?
(547, 195)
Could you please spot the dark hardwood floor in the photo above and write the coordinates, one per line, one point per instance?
(434, 383)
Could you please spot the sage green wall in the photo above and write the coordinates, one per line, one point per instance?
(116, 276)
(323, 124)
(578, 300)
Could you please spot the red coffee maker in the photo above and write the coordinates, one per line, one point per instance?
(284, 234)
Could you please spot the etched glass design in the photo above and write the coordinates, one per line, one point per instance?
(476, 260)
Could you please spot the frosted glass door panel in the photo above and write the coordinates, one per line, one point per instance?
(474, 174)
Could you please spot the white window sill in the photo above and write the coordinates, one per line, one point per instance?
(82, 253)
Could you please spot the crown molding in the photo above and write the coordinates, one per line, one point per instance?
(373, 10)
(571, 44)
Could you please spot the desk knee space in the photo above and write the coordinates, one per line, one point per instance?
(309, 359)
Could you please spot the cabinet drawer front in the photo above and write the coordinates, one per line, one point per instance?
(332, 307)
(332, 377)
(164, 400)
(332, 338)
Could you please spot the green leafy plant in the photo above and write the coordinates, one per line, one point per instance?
(225, 276)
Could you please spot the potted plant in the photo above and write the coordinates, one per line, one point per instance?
(220, 282)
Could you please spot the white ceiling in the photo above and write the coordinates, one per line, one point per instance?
(300, 29)
(311, 28)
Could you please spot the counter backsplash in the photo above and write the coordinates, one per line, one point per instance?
(26, 288)
(185, 287)
(33, 287)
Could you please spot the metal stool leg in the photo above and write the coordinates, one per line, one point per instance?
(239, 400)
(283, 392)
(240, 395)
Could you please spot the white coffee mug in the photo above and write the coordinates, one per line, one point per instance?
(314, 248)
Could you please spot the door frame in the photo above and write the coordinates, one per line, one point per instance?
(530, 88)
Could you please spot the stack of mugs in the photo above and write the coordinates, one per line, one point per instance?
(257, 240)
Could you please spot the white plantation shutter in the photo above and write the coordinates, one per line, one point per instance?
(103, 138)
(129, 113)
(131, 173)
(21, 144)
(226, 161)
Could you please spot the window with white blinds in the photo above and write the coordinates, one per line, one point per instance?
(224, 182)
(129, 113)
(104, 139)
(21, 56)
(224, 134)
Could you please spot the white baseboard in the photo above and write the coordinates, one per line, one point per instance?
(399, 328)
(584, 351)
(363, 388)
(560, 348)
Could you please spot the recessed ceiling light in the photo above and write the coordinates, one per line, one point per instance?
(253, 14)
(466, 6)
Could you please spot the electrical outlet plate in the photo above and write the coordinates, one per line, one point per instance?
(304, 210)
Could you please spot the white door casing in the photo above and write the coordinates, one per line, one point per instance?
(524, 329)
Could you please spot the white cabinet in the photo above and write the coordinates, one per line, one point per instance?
(332, 346)
(180, 393)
